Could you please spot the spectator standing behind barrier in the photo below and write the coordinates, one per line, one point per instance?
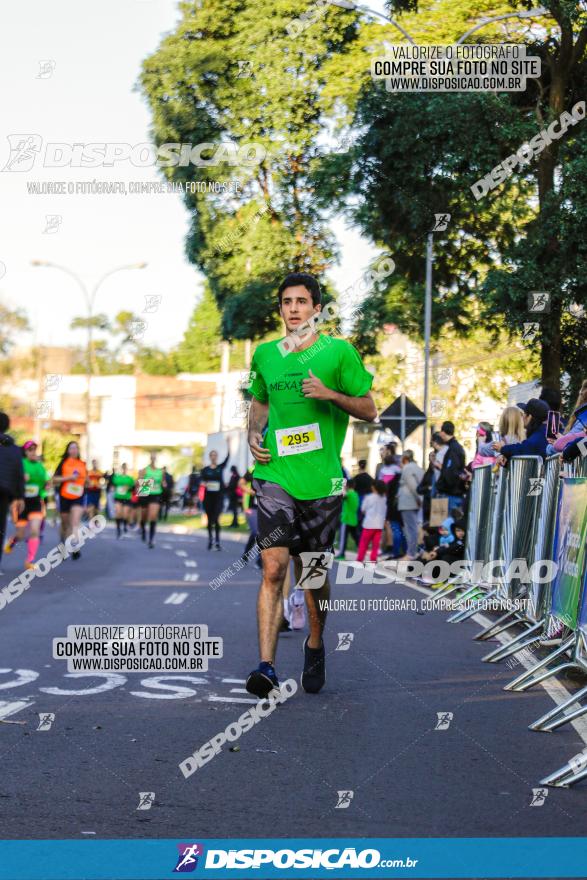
(535, 416)
(484, 438)
(389, 473)
(409, 502)
(363, 483)
(581, 400)
(450, 482)
(511, 430)
(349, 518)
(440, 449)
(11, 476)
(384, 452)
(574, 430)
(374, 509)
(425, 486)
(553, 399)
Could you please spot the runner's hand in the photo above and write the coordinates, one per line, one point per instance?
(258, 451)
(19, 503)
(315, 388)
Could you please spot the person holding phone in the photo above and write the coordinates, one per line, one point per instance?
(576, 430)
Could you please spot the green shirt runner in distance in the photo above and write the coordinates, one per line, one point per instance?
(36, 478)
(123, 484)
(304, 435)
(155, 474)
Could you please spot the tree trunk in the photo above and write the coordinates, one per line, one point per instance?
(550, 355)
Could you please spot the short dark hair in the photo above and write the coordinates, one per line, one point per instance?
(448, 428)
(552, 397)
(436, 438)
(302, 279)
(4, 422)
(362, 462)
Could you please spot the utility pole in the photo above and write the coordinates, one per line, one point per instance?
(427, 331)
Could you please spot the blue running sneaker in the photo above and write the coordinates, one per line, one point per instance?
(262, 680)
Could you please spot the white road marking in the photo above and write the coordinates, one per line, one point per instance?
(176, 598)
(24, 676)
(214, 699)
(191, 578)
(180, 553)
(190, 563)
(8, 708)
(112, 680)
(234, 680)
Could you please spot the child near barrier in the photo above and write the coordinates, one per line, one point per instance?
(454, 551)
(374, 508)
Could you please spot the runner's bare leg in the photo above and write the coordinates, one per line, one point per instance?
(314, 600)
(270, 601)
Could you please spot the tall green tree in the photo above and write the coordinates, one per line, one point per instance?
(419, 154)
(197, 93)
(199, 350)
(12, 321)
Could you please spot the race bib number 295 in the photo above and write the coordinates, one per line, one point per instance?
(303, 438)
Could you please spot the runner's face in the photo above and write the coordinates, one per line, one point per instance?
(31, 453)
(296, 307)
(73, 450)
(213, 459)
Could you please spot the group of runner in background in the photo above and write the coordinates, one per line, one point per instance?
(133, 502)
(77, 490)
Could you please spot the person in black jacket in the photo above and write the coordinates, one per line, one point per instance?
(11, 476)
(425, 487)
(450, 481)
(233, 499)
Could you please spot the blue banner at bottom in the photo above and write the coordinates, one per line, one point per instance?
(480, 857)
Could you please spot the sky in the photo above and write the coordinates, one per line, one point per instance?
(73, 79)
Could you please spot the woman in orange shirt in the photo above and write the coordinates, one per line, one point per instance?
(70, 476)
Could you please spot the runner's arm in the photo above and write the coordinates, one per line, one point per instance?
(360, 407)
(258, 415)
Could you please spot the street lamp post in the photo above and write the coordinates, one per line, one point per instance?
(90, 298)
(427, 332)
(348, 4)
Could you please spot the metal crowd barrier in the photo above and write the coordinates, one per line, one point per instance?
(513, 517)
(478, 533)
(538, 595)
(549, 525)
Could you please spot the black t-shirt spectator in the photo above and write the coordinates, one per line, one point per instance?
(363, 483)
(453, 463)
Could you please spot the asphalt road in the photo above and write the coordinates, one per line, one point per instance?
(371, 730)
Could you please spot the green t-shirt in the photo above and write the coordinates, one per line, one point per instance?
(123, 485)
(155, 474)
(35, 477)
(304, 435)
(350, 508)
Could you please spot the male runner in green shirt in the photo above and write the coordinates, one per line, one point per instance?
(304, 389)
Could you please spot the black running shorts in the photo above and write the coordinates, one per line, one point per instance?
(284, 521)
